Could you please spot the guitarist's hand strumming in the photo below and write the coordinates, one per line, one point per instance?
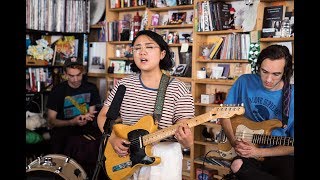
(120, 146)
(245, 149)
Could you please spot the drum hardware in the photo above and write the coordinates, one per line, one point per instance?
(47, 161)
(56, 166)
(58, 170)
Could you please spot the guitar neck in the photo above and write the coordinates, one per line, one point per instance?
(169, 131)
(272, 140)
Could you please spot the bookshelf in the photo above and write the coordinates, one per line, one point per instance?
(210, 85)
(198, 86)
(50, 22)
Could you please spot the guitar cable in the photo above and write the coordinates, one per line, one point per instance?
(203, 161)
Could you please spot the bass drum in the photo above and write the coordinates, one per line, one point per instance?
(55, 167)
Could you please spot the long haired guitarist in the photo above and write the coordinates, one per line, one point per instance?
(151, 56)
(266, 94)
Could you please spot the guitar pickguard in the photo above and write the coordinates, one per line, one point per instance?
(245, 133)
(137, 150)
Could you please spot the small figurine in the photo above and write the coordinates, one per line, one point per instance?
(170, 38)
(232, 17)
(175, 37)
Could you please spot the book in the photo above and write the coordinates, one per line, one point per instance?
(65, 48)
(222, 15)
(272, 17)
(226, 69)
(216, 43)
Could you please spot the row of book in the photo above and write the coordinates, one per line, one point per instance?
(58, 15)
(235, 46)
(117, 30)
(148, 3)
(213, 16)
(126, 3)
(231, 46)
(39, 78)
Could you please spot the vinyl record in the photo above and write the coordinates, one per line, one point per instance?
(97, 8)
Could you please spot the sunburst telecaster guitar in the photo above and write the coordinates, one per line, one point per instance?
(145, 133)
(257, 133)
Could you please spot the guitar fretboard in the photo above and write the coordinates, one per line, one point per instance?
(164, 133)
(272, 140)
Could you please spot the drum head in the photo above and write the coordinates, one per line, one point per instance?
(43, 174)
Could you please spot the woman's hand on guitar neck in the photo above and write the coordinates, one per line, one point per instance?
(183, 135)
(120, 146)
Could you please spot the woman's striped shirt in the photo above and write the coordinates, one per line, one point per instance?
(139, 101)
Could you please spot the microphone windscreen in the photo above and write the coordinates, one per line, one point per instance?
(114, 108)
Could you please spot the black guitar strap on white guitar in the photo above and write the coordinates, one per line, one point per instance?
(160, 98)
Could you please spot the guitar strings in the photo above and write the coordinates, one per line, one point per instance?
(262, 137)
(251, 135)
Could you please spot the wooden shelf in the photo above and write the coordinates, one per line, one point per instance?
(179, 44)
(229, 31)
(214, 81)
(173, 26)
(99, 75)
(186, 173)
(184, 79)
(222, 61)
(120, 58)
(182, 7)
(277, 39)
(136, 8)
(207, 105)
(119, 42)
(118, 76)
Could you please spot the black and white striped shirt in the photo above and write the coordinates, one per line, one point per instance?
(139, 101)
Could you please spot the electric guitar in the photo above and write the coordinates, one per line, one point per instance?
(257, 133)
(144, 133)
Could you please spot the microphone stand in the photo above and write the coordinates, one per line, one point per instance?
(104, 139)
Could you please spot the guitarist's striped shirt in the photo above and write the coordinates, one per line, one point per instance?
(139, 101)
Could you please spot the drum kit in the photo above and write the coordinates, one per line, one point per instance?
(56, 167)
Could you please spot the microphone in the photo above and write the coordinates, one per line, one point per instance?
(114, 109)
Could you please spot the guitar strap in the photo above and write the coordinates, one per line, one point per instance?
(160, 98)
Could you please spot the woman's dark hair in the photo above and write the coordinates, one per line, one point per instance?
(166, 63)
(275, 52)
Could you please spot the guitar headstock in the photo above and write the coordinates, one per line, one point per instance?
(227, 111)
